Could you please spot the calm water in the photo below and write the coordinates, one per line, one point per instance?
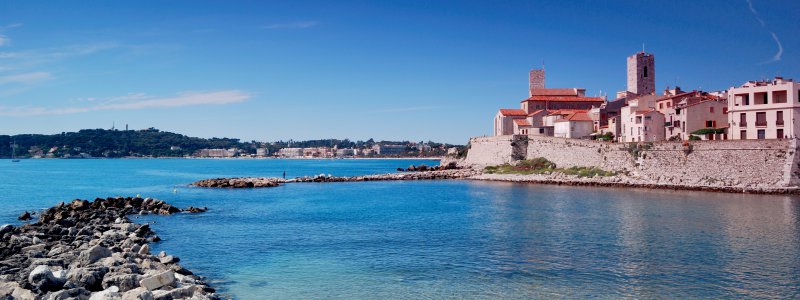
(442, 239)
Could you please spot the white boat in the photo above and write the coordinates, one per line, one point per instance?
(13, 152)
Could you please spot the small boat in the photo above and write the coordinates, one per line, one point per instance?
(13, 152)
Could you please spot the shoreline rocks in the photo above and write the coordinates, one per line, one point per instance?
(91, 250)
(256, 182)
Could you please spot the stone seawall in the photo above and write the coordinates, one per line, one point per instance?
(496, 150)
(738, 163)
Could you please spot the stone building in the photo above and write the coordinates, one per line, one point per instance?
(686, 112)
(641, 73)
(764, 110)
(541, 100)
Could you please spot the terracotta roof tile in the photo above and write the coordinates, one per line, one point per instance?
(555, 92)
(564, 99)
(513, 112)
(536, 112)
(521, 122)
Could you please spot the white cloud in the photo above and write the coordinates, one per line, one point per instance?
(292, 25)
(9, 26)
(25, 78)
(4, 39)
(137, 102)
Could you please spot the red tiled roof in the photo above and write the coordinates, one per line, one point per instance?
(513, 112)
(579, 116)
(701, 102)
(555, 92)
(565, 111)
(564, 99)
(536, 112)
(521, 122)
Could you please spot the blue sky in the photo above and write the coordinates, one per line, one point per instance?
(394, 70)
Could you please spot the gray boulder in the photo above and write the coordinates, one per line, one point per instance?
(42, 278)
(71, 294)
(138, 294)
(6, 228)
(125, 282)
(94, 254)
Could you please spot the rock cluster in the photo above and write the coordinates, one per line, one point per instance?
(425, 168)
(91, 250)
(243, 182)
(251, 182)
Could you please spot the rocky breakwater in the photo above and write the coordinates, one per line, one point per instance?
(91, 250)
(253, 182)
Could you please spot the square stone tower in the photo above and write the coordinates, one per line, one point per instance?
(641, 73)
(536, 79)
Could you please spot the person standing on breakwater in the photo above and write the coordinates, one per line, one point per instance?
(284, 174)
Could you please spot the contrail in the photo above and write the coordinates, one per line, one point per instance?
(755, 13)
(778, 55)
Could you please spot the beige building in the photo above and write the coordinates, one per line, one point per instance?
(764, 109)
(504, 120)
(686, 112)
(632, 128)
(644, 126)
(574, 125)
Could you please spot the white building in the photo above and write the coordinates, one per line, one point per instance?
(575, 125)
(291, 152)
(764, 110)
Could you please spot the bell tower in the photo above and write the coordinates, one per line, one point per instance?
(641, 73)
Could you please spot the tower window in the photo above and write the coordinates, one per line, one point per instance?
(645, 71)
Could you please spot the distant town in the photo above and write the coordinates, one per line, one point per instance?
(757, 109)
(151, 142)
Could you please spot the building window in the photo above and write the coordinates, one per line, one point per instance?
(761, 98)
(779, 97)
(779, 118)
(725, 110)
(541, 130)
(669, 104)
(743, 120)
(744, 99)
(709, 124)
(645, 71)
(761, 119)
(743, 135)
(762, 134)
(677, 123)
(780, 134)
(711, 109)
(661, 106)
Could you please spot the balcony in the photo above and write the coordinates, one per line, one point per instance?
(779, 123)
(761, 123)
(742, 124)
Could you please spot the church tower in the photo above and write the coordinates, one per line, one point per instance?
(641, 73)
(536, 79)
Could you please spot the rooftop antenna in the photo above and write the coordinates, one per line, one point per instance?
(642, 47)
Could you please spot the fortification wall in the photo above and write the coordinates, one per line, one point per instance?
(496, 150)
(747, 163)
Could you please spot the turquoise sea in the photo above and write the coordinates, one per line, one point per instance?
(437, 239)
